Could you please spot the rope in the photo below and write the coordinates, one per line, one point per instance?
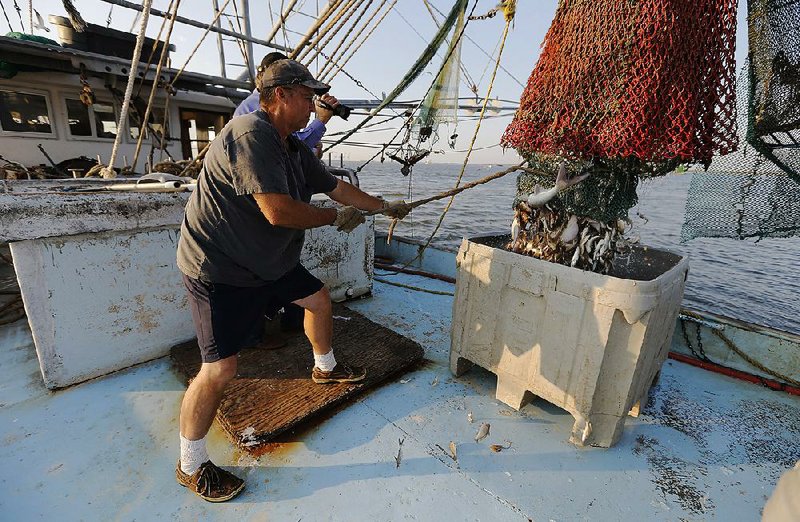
(372, 30)
(754, 362)
(346, 35)
(152, 50)
(416, 69)
(19, 15)
(357, 36)
(474, 135)
(196, 47)
(123, 116)
(154, 87)
(240, 43)
(458, 190)
(699, 320)
(3, 7)
(242, 47)
(330, 7)
(75, 18)
(467, 78)
(481, 49)
(330, 30)
(415, 288)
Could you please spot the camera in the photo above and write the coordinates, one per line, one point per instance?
(341, 110)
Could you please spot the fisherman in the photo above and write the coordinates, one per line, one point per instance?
(292, 316)
(324, 108)
(239, 250)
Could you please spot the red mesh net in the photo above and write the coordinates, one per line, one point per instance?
(651, 79)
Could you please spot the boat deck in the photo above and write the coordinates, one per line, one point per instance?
(705, 447)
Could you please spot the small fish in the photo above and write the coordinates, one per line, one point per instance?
(483, 432)
(469, 418)
(497, 448)
(453, 453)
(435, 381)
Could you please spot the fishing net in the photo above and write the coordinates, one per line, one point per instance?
(755, 192)
(441, 103)
(629, 90)
(651, 79)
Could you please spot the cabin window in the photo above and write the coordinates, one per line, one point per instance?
(156, 123)
(78, 118)
(24, 112)
(105, 120)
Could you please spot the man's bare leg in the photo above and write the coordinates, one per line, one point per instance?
(318, 320)
(318, 324)
(199, 406)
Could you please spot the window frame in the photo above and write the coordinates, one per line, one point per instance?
(53, 134)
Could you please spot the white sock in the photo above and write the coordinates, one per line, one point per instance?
(193, 453)
(326, 362)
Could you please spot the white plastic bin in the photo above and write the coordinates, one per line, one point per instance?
(589, 343)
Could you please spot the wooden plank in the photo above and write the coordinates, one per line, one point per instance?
(273, 391)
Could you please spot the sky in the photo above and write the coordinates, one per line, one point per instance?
(380, 63)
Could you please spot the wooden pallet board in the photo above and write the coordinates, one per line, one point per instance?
(273, 390)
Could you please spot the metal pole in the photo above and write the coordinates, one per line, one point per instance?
(219, 42)
(245, 4)
(194, 23)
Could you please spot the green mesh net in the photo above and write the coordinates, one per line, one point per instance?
(606, 195)
(755, 192)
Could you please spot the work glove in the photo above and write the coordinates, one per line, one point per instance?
(348, 218)
(397, 209)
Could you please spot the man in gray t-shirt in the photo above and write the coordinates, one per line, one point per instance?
(239, 252)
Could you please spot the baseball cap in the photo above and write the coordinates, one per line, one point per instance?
(288, 72)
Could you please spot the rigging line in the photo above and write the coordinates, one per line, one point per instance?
(357, 82)
(196, 47)
(469, 81)
(30, 16)
(195, 23)
(240, 43)
(472, 142)
(387, 119)
(242, 49)
(349, 31)
(19, 14)
(328, 40)
(285, 12)
(473, 42)
(123, 116)
(342, 17)
(353, 52)
(152, 52)
(326, 13)
(418, 66)
(3, 7)
(332, 27)
(164, 51)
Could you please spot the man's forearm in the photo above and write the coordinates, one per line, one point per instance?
(348, 194)
(283, 211)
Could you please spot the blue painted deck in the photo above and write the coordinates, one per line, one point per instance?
(705, 447)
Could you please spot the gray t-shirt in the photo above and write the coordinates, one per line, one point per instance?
(224, 236)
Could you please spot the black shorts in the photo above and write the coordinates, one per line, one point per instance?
(226, 316)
